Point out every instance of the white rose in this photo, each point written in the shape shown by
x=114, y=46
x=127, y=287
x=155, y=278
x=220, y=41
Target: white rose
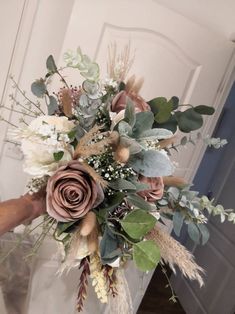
x=43, y=137
x=59, y=124
x=39, y=158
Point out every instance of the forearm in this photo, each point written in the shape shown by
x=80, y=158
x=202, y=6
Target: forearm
x=17, y=211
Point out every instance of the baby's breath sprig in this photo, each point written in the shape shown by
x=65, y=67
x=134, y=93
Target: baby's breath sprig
x=108, y=168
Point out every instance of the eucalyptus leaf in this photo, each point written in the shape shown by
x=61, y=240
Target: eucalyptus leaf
x=50, y=63
x=175, y=102
x=193, y=232
x=38, y=88
x=146, y=255
x=183, y=140
x=139, y=202
x=109, y=246
x=122, y=184
x=151, y=163
x=156, y=103
x=189, y=120
x=156, y=133
x=205, y=110
x=52, y=106
x=137, y=223
x=204, y=233
x=178, y=220
x=171, y=124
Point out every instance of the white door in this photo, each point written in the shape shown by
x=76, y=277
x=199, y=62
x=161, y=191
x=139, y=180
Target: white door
x=176, y=57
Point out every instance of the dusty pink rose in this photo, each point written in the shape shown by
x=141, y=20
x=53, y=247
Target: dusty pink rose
x=155, y=190
x=72, y=192
x=120, y=101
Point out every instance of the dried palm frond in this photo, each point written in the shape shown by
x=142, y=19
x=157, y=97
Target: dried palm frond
x=90, y=145
x=173, y=253
x=134, y=85
x=95, y=175
x=119, y=64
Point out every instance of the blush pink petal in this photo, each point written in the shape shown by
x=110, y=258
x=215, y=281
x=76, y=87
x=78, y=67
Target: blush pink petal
x=71, y=193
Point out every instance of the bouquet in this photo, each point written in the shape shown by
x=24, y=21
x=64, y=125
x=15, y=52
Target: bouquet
x=103, y=155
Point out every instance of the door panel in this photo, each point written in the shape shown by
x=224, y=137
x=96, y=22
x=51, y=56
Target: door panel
x=217, y=257
x=175, y=55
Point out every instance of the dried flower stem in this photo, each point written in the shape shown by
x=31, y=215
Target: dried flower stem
x=47, y=226
x=26, y=232
x=8, y=122
x=17, y=111
x=82, y=292
x=173, y=297
x=24, y=95
x=111, y=280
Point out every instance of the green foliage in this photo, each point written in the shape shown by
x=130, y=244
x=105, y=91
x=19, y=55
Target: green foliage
x=63, y=227
x=38, y=88
x=122, y=184
x=130, y=116
x=188, y=120
x=88, y=69
x=204, y=110
x=156, y=134
x=138, y=223
x=194, y=232
x=52, y=106
x=139, y=202
x=51, y=66
x=110, y=246
x=178, y=220
x=151, y=163
x=112, y=202
x=168, y=116
x=58, y=155
x=146, y=255
x=144, y=121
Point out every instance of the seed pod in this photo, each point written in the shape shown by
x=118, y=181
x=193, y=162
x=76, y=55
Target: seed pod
x=122, y=154
x=167, y=142
x=114, y=138
x=92, y=240
x=88, y=224
x=174, y=181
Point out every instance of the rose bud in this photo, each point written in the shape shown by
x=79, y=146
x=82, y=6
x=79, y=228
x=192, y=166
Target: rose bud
x=155, y=190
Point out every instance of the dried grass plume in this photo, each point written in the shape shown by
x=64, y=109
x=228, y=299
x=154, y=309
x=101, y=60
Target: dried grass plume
x=173, y=253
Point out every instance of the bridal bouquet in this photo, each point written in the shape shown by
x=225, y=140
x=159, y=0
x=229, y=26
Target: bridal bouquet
x=103, y=155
